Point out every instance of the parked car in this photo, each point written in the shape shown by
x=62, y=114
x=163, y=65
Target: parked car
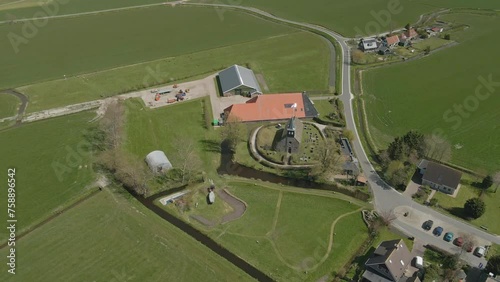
x=428, y=225
x=479, y=252
x=469, y=247
x=448, y=236
x=438, y=231
x=459, y=241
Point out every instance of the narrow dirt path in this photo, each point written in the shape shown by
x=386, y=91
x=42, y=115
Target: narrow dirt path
x=22, y=107
x=276, y=214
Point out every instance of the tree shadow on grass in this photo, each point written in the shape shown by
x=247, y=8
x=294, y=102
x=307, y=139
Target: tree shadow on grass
x=213, y=146
x=457, y=211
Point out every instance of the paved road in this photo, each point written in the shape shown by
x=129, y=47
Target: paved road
x=385, y=198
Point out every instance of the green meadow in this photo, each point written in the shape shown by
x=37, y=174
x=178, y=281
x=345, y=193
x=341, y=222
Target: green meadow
x=8, y=105
x=291, y=62
x=438, y=94
x=52, y=166
x=112, y=237
x=358, y=17
x=84, y=44
x=291, y=234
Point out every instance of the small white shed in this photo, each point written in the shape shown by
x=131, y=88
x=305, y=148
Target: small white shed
x=158, y=162
x=211, y=197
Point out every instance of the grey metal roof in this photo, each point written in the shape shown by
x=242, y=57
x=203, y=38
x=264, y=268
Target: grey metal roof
x=237, y=76
x=442, y=175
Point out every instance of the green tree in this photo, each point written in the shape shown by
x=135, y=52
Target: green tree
x=447, y=36
x=233, y=131
x=493, y=265
x=487, y=182
x=407, y=26
x=427, y=50
x=348, y=134
x=474, y=207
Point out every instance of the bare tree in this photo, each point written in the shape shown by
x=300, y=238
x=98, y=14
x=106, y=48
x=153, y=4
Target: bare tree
x=112, y=124
x=468, y=241
x=188, y=158
x=233, y=131
x=387, y=217
x=327, y=154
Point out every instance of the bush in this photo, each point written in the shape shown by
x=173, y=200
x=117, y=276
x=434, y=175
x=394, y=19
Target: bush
x=474, y=208
x=447, y=36
x=433, y=202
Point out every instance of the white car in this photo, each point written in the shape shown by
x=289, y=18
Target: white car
x=479, y=252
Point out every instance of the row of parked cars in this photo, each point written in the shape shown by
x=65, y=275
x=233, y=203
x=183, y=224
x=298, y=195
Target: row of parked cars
x=448, y=237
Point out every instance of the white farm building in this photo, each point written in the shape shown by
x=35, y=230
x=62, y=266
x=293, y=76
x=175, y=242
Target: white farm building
x=158, y=161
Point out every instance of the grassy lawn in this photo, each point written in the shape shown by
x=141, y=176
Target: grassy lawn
x=351, y=18
x=467, y=191
x=134, y=244
x=286, y=231
x=8, y=105
x=292, y=62
x=52, y=166
x=434, y=42
x=439, y=83
x=65, y=47
x=148, y=130
x=29, y=8
x=266, y=138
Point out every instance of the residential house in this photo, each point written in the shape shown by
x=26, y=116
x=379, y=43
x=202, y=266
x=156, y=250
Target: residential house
x=439, y=177
x=390, y=262
x=368, y=44
x=392, y=41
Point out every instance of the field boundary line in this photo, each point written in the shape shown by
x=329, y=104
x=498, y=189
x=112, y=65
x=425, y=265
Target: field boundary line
x=86, y=13
x=54, y=216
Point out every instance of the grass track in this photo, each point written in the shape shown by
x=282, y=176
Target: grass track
x=8, y=105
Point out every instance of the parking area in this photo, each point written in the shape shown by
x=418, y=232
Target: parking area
x=192, y=89
x=413, y=223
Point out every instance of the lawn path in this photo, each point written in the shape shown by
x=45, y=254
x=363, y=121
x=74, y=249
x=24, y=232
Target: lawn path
x=276, y=214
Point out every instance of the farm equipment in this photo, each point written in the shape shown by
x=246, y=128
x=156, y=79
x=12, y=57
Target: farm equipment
x=157, y=97
x=171, y=101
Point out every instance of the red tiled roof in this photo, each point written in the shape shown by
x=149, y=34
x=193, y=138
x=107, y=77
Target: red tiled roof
x=268, y=107
x=392, y=39
x=411, y=33
x=436, y=29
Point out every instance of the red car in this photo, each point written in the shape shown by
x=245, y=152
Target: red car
x=459, y=241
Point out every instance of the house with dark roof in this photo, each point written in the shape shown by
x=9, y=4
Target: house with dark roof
x=439, y=177
x=389, y=263
x=238, y=80
x=272, y=107
x=291, y=137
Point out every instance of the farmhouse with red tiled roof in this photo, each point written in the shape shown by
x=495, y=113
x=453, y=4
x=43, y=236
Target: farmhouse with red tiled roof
x=272, y=107
x=392, y=41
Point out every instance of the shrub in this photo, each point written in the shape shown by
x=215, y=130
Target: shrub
x=474, y=208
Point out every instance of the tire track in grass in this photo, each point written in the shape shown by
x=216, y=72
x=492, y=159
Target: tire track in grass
x=329, y=248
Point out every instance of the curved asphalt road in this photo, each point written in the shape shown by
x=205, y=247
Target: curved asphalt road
x=385, y=197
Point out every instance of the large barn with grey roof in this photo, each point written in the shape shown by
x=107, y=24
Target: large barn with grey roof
x=238, y=80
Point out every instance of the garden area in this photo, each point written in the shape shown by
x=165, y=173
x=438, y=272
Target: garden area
x=331, y=112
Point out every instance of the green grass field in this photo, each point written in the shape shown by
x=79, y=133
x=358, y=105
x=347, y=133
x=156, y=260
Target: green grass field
x=149, y=130
x=439, y=83
x=111, y=237
x=32, y=8
x=66, y=47
x=50, y=171
x=354, y=17
x=8, y=105
x=292, y=62
x=286, y=232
